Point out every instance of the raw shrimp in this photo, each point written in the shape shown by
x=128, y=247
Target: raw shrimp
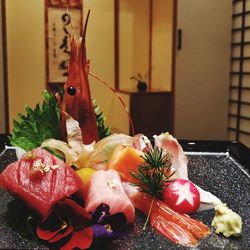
x=77, y=99
x=179, y=228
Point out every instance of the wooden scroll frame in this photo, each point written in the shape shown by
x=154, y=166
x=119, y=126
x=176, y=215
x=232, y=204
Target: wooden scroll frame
x=62, y=17
x=5, y=66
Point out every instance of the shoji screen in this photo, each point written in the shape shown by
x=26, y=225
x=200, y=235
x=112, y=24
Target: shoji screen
x=239, y=102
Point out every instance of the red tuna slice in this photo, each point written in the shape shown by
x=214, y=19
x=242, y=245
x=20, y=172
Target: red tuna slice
x=40, y=189
x=106, y=188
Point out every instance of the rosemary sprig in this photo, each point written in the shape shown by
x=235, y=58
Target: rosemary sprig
x=153, y=174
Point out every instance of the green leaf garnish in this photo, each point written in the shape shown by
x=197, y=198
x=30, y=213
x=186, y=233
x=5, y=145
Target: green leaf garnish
x=38, y=125
x=103, y=131
x=44, y=122
x=155, y=171
x=153, y=174
x=54, y=153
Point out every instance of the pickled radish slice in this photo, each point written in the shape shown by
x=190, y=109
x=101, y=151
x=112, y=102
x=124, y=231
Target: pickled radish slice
x=182, y=196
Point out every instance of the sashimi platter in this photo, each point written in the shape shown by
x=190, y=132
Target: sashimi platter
x=76, y=185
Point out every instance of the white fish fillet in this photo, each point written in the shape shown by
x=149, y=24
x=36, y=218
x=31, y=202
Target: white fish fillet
x=207, y=200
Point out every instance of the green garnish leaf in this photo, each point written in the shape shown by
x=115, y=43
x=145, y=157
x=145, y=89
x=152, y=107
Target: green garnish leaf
x=103, y=131
x=38, y=125
x=154, y=172
x=54, y=153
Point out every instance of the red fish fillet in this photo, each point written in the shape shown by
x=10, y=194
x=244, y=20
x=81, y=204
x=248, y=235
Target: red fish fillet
x=40, y=189
x=106, y=188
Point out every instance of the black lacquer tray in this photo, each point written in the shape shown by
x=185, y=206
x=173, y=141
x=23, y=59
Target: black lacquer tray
x=222, y=168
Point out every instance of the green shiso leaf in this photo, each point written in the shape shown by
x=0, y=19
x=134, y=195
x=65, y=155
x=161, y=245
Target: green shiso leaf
x=38, y=125
x=42, y=123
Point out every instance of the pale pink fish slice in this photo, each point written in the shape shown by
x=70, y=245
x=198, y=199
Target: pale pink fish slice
x=106, y=188
x=168, y=143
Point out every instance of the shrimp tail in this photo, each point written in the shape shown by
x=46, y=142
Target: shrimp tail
x=179, y=228
x=172, y=231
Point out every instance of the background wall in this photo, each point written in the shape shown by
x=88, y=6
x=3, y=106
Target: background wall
x=134, y=43
x=100, y=50
x=202, y=69
x=162, y=42
x=201, y=80
x=26, y=56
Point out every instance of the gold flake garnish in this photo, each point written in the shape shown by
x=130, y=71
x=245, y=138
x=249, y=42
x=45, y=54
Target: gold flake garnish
x=39, y=166
x=29, y=156
x=46, y=168
x=53, y=167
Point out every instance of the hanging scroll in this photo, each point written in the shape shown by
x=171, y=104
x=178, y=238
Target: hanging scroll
x=63, y=17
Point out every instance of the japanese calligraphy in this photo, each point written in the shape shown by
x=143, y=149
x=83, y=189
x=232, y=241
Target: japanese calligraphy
x=64, y=46
x=60, y=26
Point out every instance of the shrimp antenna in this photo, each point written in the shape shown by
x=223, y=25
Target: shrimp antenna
x=119, y=98
x=85, y=27
x=71, y=25
x=83, y=52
